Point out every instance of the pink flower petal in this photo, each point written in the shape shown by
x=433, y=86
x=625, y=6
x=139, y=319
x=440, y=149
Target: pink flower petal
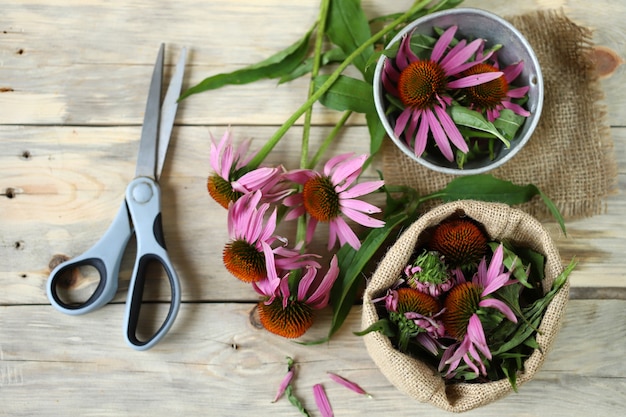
x=476, y=334
x=513, y=71
x=421, y=138
x=336, y=161
x=401, y=121
x=440, y=136
x=321, y=296
x=359, y=205
x=362, y=219
x=453, y=64
x=305, y=282
x=283, y=384
x=499, y=305
x=322, y=401
x=476, y=79
x=348, y=171
x=361, y=189
x=348, y=384
x=310, y=229
x=453, y=52
x=518, y=92
x=442, y=43
x=340, y=228
x=451, y=130
x=516, y=108
x=300, y=176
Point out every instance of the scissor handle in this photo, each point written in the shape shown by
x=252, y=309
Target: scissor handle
x=105, y=257
x=144, y=204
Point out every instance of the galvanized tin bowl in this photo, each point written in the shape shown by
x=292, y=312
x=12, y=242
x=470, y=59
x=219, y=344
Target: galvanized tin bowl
x=473, y=23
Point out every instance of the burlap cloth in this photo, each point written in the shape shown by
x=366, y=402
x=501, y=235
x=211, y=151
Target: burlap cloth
x=570, y=155
x=416, y=378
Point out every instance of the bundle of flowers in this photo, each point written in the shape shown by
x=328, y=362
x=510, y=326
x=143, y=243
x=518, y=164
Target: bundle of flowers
x=290, y=279
x=444, y=90
x=464, y=306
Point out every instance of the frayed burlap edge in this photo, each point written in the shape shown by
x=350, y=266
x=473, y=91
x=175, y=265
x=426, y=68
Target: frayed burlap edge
x=570, y=156
x=421, y=381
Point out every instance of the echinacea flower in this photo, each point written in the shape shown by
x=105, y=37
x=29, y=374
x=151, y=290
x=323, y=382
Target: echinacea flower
x=415, y=313
x=461, y=318
x=326, y=196
x=231, y=178
x=429, y=274
x=493, y=96
x=249, y=255
x=460, y=240
x=424, y=87
x=291, y=315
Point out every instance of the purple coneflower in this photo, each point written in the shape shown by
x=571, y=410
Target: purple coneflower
x=249, y=255
x=461, y=320
x=424, y=86
x=232, y=179
x=494, y=96
x=326, y=196
x=291, y=315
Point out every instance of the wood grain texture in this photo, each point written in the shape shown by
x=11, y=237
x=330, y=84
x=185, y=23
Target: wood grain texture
x=73, y=82
x=214, y=362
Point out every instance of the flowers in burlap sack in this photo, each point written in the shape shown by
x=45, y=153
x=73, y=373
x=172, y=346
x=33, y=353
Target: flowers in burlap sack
x=464, y=293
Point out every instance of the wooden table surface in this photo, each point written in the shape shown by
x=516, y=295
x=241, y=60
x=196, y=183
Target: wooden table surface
x=73, y=83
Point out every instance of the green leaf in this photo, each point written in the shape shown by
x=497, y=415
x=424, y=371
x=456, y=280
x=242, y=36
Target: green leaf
x=348, y=28
x=295, y=401
x=385, y=326
x=347, y=93
x=486, y=187
x=473, y=119
x=331, y=56
x=277, y=65
x=556, y=213
x=509, y=123
x=351, y=264
x=377, y=132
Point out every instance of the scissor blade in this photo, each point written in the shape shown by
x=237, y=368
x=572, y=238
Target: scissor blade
x=168, y=111
x=146, y=160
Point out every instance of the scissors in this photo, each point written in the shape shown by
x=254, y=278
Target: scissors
x=140, y=213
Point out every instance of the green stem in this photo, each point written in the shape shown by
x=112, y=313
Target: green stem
x=329, y=139
x=269, y=145
x=306, y=131
x=319, y=41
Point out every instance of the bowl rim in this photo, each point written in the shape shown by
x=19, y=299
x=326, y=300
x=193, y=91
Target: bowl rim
x=534, y=120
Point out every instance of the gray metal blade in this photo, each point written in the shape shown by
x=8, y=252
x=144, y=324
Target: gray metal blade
x=168, y=111
x=146, y=160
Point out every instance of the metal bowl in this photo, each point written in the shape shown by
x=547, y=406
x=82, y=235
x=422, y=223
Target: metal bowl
x=475, y=23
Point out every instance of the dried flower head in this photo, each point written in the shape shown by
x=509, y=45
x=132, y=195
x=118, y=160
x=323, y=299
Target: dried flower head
x=412, y=300
x=291, y=315
x=429, y=273
x=460, y=240
x=290, y=321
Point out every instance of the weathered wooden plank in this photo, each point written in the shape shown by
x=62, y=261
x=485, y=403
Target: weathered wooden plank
x=68, y=187
x=99, y=75
x=214, y=362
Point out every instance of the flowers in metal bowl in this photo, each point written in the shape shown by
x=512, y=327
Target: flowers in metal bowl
x=452, y=95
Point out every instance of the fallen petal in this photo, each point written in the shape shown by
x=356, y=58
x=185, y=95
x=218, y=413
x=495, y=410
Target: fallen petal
x=348, y=384
x=322, y=401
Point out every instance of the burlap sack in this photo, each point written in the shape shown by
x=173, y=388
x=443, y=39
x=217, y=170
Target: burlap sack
x=420, y=380
x=570, y=155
